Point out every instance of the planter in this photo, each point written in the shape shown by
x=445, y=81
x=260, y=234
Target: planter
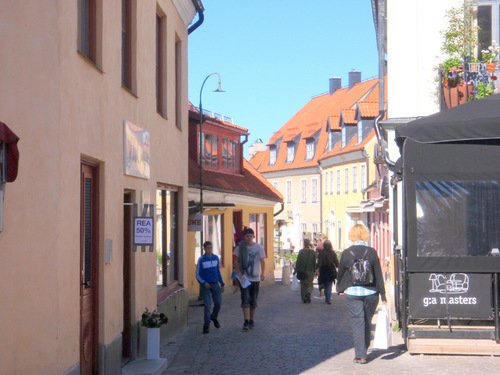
x=153, y=343
x=490, y=67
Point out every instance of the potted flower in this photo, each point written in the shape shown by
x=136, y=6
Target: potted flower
x=153, y=320
x=452, y=71
x=489, y=55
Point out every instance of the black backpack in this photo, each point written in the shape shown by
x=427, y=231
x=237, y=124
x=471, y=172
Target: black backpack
x=361, y=270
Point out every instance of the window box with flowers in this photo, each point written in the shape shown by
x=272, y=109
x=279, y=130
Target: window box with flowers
x=153, y=320
x=489, y=55
x=452, y=72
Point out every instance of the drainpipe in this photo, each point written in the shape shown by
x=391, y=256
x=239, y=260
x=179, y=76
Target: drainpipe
x=199, y=9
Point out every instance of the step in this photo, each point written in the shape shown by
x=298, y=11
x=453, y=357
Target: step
x=145, y=367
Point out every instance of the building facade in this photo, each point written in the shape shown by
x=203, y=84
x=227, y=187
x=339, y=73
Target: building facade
x=96, y=91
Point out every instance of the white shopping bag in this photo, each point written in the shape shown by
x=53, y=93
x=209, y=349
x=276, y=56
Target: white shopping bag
x=295, y=284
x=383, y=335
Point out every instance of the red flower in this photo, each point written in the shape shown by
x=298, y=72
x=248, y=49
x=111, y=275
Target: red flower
x=494, y=78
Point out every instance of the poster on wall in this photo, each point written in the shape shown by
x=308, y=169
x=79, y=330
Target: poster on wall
x=458, y=295
x=136, y=151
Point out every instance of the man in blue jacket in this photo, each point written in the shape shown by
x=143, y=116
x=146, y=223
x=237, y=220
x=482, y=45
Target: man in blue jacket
x=209, y=276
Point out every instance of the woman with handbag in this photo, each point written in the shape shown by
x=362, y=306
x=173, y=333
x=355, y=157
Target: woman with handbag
x=327, y=268
x=361, y=298
x=306, y=269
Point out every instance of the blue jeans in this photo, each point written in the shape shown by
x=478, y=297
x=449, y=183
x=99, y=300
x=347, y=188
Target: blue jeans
x=328, y=291
x=215, y=294
x=361, y=310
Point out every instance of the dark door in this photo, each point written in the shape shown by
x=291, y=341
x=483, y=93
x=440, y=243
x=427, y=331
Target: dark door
x=127, y=276
x=88, y=269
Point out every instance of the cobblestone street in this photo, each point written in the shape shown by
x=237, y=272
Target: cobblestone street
x=295, y=338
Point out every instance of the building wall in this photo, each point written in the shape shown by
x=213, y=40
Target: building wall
x=227, y=256
x=414, y=52
x=65, y=109
x=297, y=212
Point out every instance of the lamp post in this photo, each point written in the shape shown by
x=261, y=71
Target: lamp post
x=202, y=149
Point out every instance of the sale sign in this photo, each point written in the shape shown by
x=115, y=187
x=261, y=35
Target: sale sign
x=143, y=231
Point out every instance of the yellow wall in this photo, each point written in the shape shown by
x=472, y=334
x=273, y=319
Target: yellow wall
x=227, y=260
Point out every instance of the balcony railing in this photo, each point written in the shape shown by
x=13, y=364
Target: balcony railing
x=473, y=82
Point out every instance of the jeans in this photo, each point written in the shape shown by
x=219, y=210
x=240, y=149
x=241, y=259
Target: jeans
x=361, y=310
x=249, y=295
x=215, y=294
x=328, y=291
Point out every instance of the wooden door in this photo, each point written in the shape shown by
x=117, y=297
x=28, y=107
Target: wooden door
x=88, y=270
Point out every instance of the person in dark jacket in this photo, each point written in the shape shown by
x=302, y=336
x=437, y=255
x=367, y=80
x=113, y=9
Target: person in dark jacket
x=327, y=268
x=209, y=276
x=306, y=266
x=361, y=301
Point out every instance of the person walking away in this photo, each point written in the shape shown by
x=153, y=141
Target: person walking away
x=361, y=300
x=319, y=249
x=327, y=268
x=212, y=285
x=249, y=264
x=306, y=268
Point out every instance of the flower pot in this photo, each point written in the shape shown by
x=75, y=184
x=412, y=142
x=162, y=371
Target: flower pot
x=490, y=67
x=153, y=343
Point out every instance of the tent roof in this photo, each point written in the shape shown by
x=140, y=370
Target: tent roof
x=476, y=120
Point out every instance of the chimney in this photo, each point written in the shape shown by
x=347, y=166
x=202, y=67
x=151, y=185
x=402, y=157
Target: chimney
x=335, y=84
x=354, y=77
x=256, y=147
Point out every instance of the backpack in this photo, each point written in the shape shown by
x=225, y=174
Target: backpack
x=361, y=270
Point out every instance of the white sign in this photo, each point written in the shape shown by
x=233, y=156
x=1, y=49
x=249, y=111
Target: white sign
x=195, y=223
x=143, y=231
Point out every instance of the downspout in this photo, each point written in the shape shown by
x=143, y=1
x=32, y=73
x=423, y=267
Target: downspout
x=281, y=209
x=320, y=170
x=199, y=9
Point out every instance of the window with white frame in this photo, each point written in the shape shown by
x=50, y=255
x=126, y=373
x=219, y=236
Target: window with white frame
x=346, y=180
x=330, y=141
x=304, y=227
x=344, y=136
x=354, y=178
x=314, y=190
x=276, y=185
x=488, y=19
x=272, y=155
x=331, y=182
x=290, y=152
x=288, y=191
x=363, y=176
x=339, y=233
x=326, y=182
x=315, y=227
x=338, y=181
x=310, y=148
x=303, y=190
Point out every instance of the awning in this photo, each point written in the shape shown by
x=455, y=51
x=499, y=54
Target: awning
x=9, y=154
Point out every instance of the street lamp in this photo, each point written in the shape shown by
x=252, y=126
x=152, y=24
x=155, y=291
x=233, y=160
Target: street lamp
x=201, y=149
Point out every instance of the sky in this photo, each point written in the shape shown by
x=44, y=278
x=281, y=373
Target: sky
x=273, y=56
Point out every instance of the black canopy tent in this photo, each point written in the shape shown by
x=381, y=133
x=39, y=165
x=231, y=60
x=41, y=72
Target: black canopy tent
x=451, y=173
x=450, y=261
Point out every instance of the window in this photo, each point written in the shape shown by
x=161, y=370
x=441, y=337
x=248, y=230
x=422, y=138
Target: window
x=330, y=141
x=258, y=224
x=167, y=236
x=314, y=190
x=272, y=155
x=276, y=185
x=161, y=105
x=212, y=231
x=344, y=136
x=290, y=152
x=127, y=44
x=230, y=155
x=304, y=227
x=288, y=191
x=363, y=176
x=339, y=234
x=338, y=181
x=331, y=182
x=209, y=150
x=178, y=83
x=87, y=29
x=354, y=178
x=303, y=190
x=346, y=180
x=326, y=182
x=488, y=19
x=310, y=149
x=315, y=228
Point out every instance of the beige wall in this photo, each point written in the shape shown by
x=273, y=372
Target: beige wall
x=65, y=109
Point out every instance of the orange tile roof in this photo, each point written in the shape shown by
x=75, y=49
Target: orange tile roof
x=322, y=109
x=349, y=116
x=368, y=108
